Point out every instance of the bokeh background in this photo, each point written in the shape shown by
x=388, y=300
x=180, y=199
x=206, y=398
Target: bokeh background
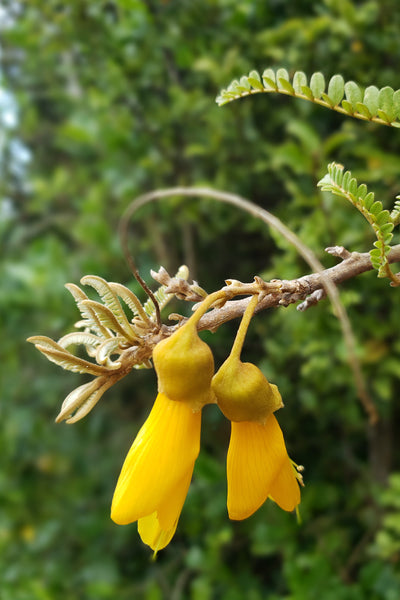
x=102, y=101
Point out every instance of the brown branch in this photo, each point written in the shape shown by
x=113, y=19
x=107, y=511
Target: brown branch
x=296, y=289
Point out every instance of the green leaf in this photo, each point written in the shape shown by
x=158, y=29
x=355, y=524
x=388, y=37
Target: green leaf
x=384, y=116
x=385, y=102
x=299, y=81
x=282, y=74
x=286, y=85
x=362, y=191
x=363, y=110
x=306, y=91
x=396, y=104
x=353, y=93
x=348, y=107
x=352, y=188
x=328, y=100
x=383, y=218
x=371, y=99
x=317, y=84
x=369, y=200
x=255, y=80
x=269, y=79
x=244, y=83
x=336, y=89
x=376, y=208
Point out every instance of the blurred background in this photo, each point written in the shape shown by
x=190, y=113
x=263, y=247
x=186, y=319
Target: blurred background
x=100, y=102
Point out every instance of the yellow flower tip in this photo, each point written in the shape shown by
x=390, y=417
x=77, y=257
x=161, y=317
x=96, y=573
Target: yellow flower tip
x=257, y=467
x=153, y=535
x=184, y=365
x=156, y=474
x=285, y=490
x=243, y=392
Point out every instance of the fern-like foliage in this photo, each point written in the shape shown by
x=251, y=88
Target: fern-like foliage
x=341, y=183
x=395, y=214
x=372, y=104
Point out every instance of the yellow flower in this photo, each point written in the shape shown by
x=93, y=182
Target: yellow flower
x=157, y=471
x=156, y=474
x=258, y=465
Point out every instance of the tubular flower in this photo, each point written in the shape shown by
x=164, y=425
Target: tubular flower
x=258, y=465
x=156, y=474
x=157, y=471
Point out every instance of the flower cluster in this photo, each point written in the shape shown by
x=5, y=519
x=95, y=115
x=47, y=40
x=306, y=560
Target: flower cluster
x=157, y=471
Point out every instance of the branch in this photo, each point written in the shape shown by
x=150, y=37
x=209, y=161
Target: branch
x=297, y=289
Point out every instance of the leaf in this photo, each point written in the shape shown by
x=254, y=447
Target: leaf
x=68, y=361
x=307, y=92
x=362, y=191
x=336, y=89
x=363, y=110
x=86, y=312
x=299, y=81
x=130, y=299
x=282, y=74
x=90, y=402
x=380, y=220
x=353, y=93
x=106, y=349
x=108, y=319
x=269, y=79
x=371, y=99
x=376, y=208
x=111, y=301
x=348, y=107
x=396, y=104
x=286, y=85
x=255, y=80
x=317, y=84
x=244, y=83
x=369, y=200
x=385, y=102
x=79, y=337
x=381, y=106
x=76, y=398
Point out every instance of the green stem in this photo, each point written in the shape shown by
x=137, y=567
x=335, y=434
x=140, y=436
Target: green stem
x=243, y=327
x=205, y=305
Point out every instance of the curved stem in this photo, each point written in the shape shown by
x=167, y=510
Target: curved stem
x=123, y=236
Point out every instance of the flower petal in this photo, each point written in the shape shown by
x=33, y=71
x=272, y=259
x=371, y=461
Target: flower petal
x=151, y=533
x=256, y=455
x=160, y=458
x=285, y=490
x=156, y=530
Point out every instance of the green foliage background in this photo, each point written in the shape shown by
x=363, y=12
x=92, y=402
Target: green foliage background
x=117, y=98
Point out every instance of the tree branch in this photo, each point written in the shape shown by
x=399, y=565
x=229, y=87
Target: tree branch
x=296, y=289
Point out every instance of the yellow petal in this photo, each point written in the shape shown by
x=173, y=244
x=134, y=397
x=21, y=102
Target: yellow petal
x=153, y=529
x=160, y=458
x=285, y=490
x=151, y=533
x=256, y=455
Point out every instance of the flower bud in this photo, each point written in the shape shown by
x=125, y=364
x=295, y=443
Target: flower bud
x=184, y=365
x=243, y=392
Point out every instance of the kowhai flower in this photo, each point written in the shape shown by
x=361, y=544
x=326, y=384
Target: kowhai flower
x=157, y=471
x=156, y=474
x=258, y=465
